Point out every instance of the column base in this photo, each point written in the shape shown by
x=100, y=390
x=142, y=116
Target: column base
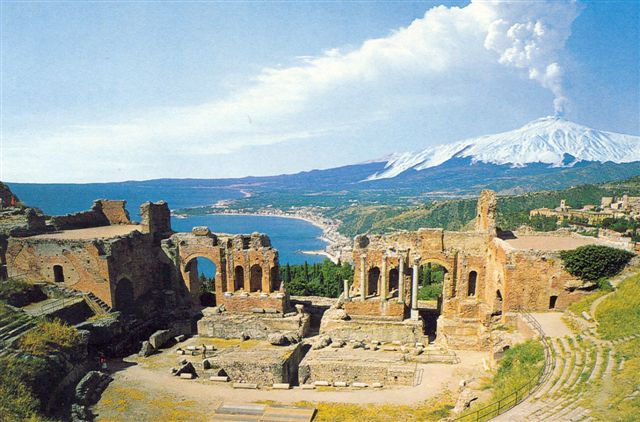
x=415, y=315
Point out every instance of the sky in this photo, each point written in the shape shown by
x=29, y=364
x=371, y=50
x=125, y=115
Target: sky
x=132, y=90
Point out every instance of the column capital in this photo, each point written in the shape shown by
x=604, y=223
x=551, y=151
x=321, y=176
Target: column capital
x=416, y=260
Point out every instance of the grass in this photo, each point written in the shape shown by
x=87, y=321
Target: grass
x=48, y=337
x=619, y=314
x=584, y=304
x=520, y=365
x=430, y=410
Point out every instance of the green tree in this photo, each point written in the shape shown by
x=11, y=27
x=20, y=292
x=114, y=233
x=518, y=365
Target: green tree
x=593, y=262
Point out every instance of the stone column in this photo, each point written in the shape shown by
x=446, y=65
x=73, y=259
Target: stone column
x=414, y=289
x=345, y=286
x=383, y=280
x=363, y=276
x=401, y=278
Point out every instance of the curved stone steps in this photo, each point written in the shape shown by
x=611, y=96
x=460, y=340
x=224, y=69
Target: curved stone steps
x=556, y=349
x=569, y=362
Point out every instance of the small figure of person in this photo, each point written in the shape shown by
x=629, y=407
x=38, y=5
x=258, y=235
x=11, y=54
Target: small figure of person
x=204, y=351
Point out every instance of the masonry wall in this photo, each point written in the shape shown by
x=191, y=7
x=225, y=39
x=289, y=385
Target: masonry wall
x=102, y=213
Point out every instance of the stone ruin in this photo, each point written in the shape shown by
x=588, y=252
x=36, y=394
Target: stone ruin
x=138, y=268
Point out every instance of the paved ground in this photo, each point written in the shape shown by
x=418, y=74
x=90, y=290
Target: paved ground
x=552, y=324
x=552, y=243
x=151, y=380
x=92, y=233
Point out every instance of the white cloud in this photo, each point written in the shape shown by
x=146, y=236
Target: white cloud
x=436, y=60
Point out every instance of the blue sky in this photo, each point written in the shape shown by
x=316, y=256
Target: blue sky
x=108, y=91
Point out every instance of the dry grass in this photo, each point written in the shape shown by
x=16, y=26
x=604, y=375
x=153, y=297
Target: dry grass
x=48, y=337
x=431, y=410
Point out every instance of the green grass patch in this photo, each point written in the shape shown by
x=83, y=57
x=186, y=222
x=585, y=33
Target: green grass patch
x=619, y=314
x=584, y=304
x=12, y=287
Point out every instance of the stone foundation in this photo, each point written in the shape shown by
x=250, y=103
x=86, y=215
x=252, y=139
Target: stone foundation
x=357, y=365
x=363, y=328
x=254, y=302
x=229, y=325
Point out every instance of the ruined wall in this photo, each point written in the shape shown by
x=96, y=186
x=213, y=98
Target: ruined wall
x=156, y=219
x=244, y=263
x=103, y=212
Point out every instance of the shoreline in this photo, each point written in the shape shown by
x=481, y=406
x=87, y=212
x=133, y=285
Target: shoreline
x=334, y=240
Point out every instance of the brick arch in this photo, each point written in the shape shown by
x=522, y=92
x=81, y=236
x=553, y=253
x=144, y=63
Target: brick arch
x=192, y=282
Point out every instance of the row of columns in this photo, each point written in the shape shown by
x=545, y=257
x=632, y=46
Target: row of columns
x=383, y=281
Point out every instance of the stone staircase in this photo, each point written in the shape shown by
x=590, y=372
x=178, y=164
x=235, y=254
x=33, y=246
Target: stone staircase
x=13, y=324
x=96, y=304
x=581, y=361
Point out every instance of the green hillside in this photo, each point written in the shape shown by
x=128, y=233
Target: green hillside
x=513, y=211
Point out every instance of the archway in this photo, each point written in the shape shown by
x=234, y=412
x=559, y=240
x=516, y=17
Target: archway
x=124, y=299
x=373, y=281
x=58, y=274
x=255, y=278
x=394, y=279
x=238, y=278
x=431, y=280
x=552, y=302
x=202, y=271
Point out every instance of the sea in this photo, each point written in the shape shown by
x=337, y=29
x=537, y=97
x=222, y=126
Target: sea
x=290, y=236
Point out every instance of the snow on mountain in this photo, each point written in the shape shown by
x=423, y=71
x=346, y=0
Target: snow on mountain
x=545, y=140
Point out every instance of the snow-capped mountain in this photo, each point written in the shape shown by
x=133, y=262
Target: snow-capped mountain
x=553, y=141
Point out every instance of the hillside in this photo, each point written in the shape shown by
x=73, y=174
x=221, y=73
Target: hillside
x=456, y=214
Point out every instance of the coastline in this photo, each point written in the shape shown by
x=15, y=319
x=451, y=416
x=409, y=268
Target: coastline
x=335, y=241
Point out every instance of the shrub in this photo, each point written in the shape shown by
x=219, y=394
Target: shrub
x=593, y=262
x=50, y=336
x=17, y=399
x=12, y=287
x=520, y=364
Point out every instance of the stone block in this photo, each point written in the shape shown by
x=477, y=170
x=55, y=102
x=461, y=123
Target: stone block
x=180, y=338
x=389, y=348
x=360, y=385
x=186, y=375
x=201, y=231
x=376, y=385
x=257, y=310
x=160, y=338
x=340, y=384
x=308, y=386
x=281, y=386
x=322, y=384
x=223, y=378
x=245, y=386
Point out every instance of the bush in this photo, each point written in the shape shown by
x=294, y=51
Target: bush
x=17, y=399
x=50, y=336
x=593, y=262
x=12, y=287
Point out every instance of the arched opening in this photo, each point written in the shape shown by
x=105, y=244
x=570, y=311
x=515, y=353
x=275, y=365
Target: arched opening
x=275, y=279
x=373, y=281
x=430, y=281
x=255, y=279
x=58, y=274
x=473, y=278
x=124, y=299
x=394, y=279
x=238, y=278
x=202, y=271
x=552, y=302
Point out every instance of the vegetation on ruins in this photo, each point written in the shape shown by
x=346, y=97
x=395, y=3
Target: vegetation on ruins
x=594, y=262
x=519, y=365
x=12, y=287
x=18, y=399
x=430, y=281
x=324, y=279
x=49, y=337
x=618, y=316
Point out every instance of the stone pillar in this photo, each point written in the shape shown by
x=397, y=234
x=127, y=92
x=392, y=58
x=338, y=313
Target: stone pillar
x=363, y=277
x=414, y=289
x=345, y=287
x=401, y=279
x=383, y=280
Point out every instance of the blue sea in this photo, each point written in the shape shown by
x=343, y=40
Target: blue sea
x=289, y=236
